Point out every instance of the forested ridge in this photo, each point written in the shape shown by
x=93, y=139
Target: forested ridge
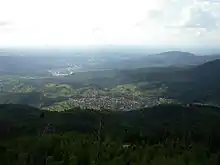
x=165, y=134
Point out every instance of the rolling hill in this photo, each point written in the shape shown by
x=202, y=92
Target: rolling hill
x=201, y=84
x=208, y=70
x=40, y=64
x=175, y=58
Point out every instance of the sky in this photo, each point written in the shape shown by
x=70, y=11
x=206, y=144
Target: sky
x=109, y=22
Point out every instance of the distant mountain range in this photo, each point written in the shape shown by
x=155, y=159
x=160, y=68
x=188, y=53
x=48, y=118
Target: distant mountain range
x=177, y=58
x=171, y=58
x=28, y=63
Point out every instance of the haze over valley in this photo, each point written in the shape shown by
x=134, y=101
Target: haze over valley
x=110, y=80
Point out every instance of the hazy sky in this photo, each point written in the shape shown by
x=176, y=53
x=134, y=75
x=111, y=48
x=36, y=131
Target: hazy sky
x=103, y=22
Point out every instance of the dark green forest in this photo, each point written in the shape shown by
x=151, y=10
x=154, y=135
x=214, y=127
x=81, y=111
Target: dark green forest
x=165, y=134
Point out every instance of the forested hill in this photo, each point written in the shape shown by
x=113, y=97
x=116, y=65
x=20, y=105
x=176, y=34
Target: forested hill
x=166, y=134
x=202, y=84
x=191, y=84
x=208, y=70
x=149, y=121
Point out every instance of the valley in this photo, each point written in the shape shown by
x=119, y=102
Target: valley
x=122, y=111
x=112, y=89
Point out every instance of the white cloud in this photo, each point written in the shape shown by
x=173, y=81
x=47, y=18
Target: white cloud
x=202, y=14
x=198, y=22
x=100, y=22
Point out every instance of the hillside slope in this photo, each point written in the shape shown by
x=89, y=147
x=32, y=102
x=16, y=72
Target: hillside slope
x=173, y=134
x=202, y=84
x=150, y=121
x=208, y=70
